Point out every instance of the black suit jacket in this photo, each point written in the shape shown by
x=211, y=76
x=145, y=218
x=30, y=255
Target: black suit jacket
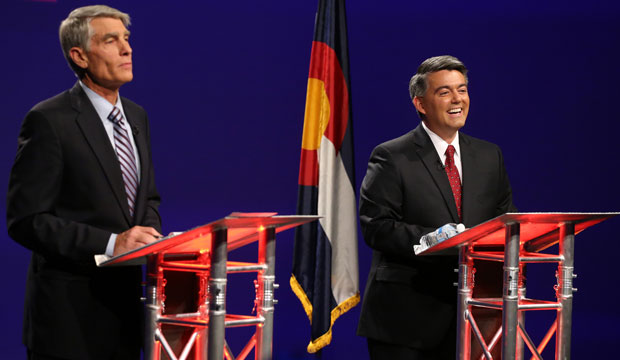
x=411, y=300
x=66, y=197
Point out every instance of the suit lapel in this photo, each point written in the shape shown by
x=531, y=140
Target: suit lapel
x=139, y=134
x=469, y=164
x=427, y=153
x=89, y=122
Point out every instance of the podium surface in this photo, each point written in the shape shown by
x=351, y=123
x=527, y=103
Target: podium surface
x=243, y=229
x=538, y=231
x=204, y=251
x=522, y=236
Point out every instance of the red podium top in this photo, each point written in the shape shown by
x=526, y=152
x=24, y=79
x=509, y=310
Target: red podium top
x=243, y=229
x=538, y=231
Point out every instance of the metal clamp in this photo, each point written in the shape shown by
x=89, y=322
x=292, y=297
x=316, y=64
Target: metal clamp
x=511, y=282
x=217, y=296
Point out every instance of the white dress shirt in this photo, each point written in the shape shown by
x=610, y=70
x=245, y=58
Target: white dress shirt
x=441, y=145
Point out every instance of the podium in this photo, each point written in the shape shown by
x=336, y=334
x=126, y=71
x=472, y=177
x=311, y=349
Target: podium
x=523, y=236
x=204, y=251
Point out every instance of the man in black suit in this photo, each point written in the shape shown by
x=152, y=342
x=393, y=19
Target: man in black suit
x=409, y=305
x=83, y=184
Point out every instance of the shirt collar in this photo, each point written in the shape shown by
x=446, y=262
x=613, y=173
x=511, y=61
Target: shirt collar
x=101, y=105
x=440, y=144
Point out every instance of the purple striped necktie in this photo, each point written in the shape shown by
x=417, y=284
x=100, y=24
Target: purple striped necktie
x=126, y=158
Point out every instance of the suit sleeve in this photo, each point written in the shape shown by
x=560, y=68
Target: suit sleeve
x=34, y=188
x=381, y=201
x=504, y=203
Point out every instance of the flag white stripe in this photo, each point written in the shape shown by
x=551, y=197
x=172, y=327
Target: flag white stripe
x=337, y=206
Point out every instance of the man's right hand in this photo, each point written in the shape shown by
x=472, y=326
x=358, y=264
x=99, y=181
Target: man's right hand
x=134, y=238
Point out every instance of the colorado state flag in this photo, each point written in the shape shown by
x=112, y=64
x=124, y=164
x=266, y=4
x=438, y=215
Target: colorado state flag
x=325, y=269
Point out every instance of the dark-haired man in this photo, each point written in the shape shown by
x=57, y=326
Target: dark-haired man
x=83, y=184
x=431, y=176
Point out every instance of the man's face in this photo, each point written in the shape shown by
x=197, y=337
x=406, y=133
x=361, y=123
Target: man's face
x=445, y=104
x=109, y=58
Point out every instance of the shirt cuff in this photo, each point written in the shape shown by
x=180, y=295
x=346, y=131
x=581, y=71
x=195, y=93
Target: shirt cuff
x=109, y=250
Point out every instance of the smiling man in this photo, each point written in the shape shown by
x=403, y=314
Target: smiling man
x=83, y=184
x=431, y=176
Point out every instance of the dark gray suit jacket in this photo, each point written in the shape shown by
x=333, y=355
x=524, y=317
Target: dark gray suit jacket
x=411, y=300
x=66, y=196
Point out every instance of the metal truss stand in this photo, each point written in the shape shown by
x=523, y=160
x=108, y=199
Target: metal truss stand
x=523, y=236
x=204, y=251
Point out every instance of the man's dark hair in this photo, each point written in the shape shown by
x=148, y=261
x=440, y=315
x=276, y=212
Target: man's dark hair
x=419, y=84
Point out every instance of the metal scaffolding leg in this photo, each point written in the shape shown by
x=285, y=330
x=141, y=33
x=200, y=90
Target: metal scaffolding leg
x=153, y=307
x=529, y=342
x=202, y=341
x=564, y=290
x=265, y=295
x=548, y=335
x=217, y=295
x=521, y=315
x=465, y=289
x=510, y=291
x=479, y=337
x=493, y=341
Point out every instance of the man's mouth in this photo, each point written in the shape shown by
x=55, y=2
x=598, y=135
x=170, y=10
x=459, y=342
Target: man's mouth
x=455, y=111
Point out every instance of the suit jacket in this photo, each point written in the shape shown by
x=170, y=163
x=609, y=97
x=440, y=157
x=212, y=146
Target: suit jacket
x=411, y=300
x=66, y=197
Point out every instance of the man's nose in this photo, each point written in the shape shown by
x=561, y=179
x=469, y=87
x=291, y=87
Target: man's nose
x=125, y=48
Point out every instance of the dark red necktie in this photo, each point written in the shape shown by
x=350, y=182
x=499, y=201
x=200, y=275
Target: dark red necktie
x=453, y=176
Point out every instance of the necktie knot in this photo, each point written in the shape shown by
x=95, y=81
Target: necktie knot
x=116, y=116
x=450, y=153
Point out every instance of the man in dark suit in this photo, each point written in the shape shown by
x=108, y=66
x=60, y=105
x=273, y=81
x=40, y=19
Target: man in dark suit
x=409, y=305
x=83, y=184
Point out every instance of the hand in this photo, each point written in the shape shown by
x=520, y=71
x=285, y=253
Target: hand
x=134, y=238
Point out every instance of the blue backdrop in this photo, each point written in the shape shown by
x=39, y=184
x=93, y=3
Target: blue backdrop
x=224, y=83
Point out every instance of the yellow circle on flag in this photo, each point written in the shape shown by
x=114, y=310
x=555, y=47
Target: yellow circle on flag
x=317, y=114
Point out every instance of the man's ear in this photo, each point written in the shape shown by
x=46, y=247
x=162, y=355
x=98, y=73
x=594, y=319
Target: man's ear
x=417, y=102
x=79, y=57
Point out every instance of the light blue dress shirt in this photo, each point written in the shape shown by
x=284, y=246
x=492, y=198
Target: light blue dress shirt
x=104, y=108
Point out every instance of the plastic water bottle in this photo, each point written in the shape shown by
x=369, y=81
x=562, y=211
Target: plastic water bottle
x=443, y=233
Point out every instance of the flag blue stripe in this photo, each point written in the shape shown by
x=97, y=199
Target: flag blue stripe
x=323, y=300
x=304, y=255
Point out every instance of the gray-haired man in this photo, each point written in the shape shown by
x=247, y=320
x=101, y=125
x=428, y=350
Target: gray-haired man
x=83, y=184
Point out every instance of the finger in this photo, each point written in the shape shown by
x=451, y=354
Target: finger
x=151, y=231
x=146, y=239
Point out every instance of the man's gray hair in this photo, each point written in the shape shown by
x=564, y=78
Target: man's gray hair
x=419, y=84
x=75, y=30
